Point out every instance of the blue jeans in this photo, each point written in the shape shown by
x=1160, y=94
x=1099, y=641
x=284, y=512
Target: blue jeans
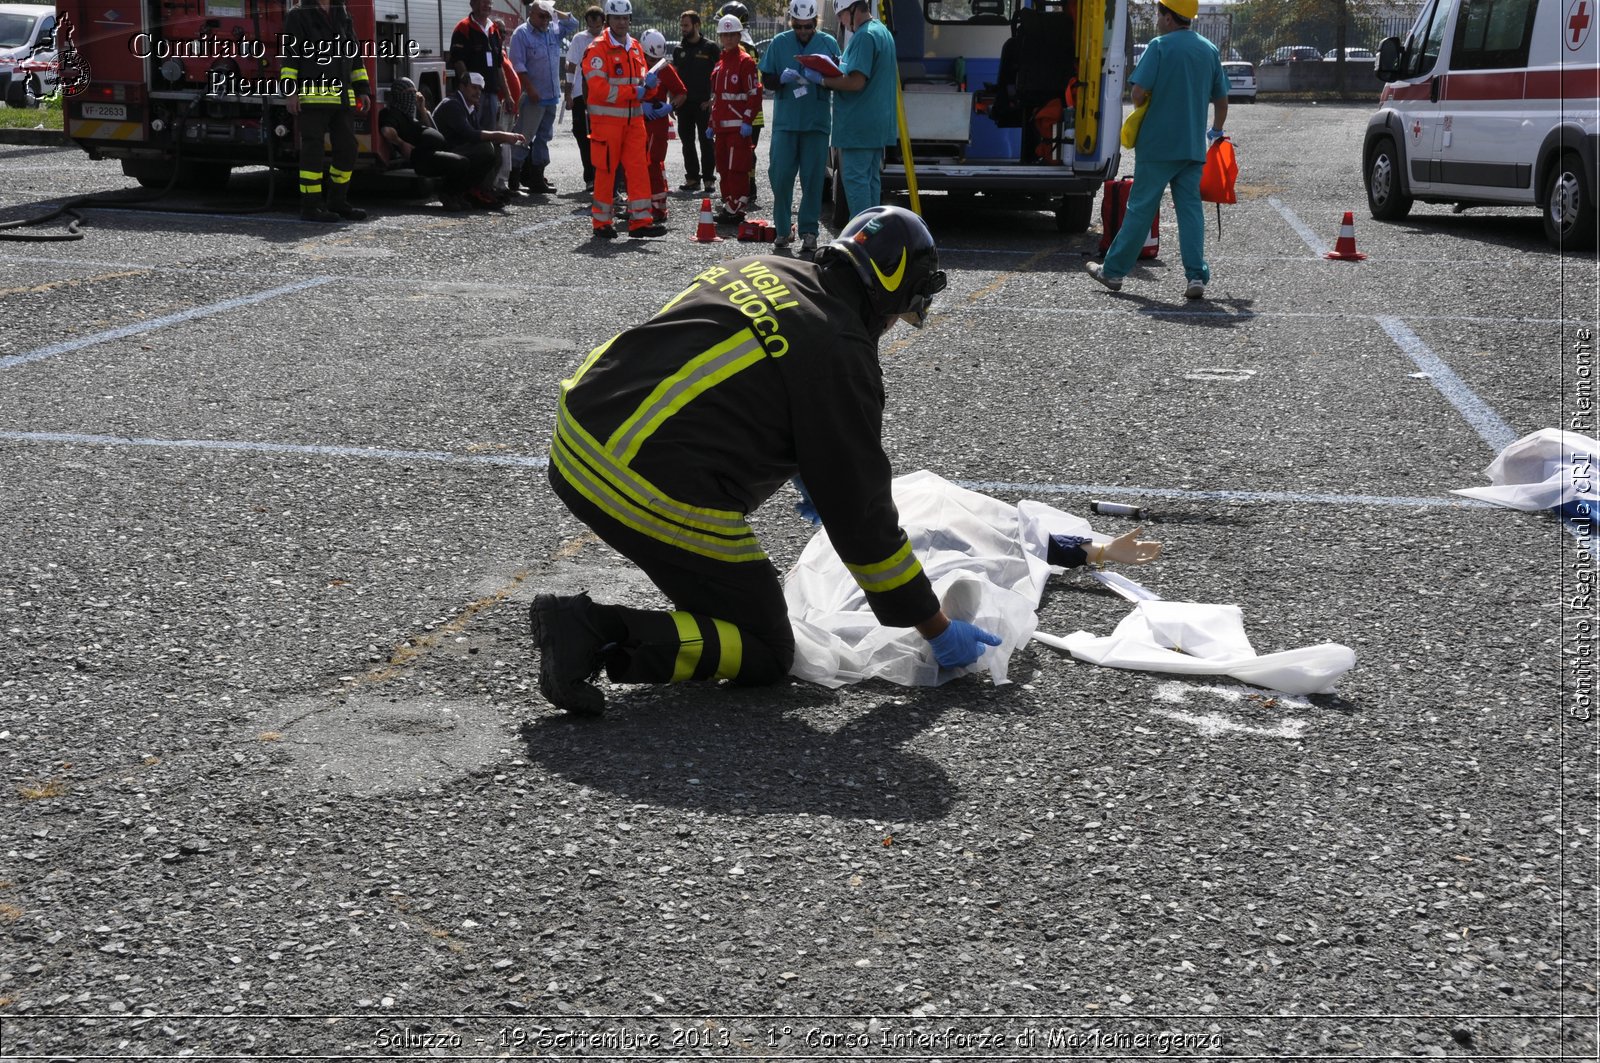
x=861, y=170
x=806, y=154
x=1150, y=179
x=537, y=122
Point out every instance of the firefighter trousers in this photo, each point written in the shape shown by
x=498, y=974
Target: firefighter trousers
x=619, y=143
x=730, y=622
x=330, y=120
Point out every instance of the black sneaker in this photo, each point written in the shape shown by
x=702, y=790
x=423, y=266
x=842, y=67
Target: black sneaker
x=606, y=233
x=691, y=185
x=648, y=231
x=570, y=653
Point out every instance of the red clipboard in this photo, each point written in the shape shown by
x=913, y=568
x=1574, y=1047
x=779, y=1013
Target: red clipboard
x=821, y=64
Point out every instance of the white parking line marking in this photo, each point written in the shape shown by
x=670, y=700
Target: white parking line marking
x=160, y=322
x=312, y=450
x=528, y=461
x=1312, y=240
x=1483, y=419
x=1212, y=724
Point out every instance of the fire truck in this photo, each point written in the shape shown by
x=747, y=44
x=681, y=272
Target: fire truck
x=185, y=89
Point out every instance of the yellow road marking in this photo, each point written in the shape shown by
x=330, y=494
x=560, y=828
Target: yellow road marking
x=72, y=282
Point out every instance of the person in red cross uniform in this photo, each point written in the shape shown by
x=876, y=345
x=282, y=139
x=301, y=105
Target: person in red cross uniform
x=615, y=81
x=735, y=101
x=659, y=104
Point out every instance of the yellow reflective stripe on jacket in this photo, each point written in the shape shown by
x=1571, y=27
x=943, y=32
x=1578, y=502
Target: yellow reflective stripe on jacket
x=620, y=508
x=900, y=568
x=731, y=657
x=636, y=489
x=291, y=73
x=594, y=356
x=704, y=371
x=690, y=646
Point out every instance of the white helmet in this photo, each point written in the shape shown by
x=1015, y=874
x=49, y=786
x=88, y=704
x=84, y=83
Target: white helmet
x=730, y=24
x=619, y=7
x=803, y=10
x=654, y=44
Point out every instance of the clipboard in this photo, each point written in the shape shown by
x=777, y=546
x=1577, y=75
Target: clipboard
x=821, y=64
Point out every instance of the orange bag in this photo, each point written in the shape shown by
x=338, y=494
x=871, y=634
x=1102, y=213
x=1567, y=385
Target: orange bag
x=1216, y=180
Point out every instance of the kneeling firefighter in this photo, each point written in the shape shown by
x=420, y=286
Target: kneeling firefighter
x=671, y=433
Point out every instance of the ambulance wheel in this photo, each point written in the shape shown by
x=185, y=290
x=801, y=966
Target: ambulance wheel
x=1569, y=207
x=1074, y=214
x=1386, y=195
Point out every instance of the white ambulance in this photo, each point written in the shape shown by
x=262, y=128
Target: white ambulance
x=1491, y=102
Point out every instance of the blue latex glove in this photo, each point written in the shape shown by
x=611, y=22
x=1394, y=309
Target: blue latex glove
x=1214, y=135
x=711, y=134
x=960, y=644
x=745, y=129
x=551, y=102
x=805, y=507
x=789, y=76
x=813, y=76
x=650, y=79
x=652, y=111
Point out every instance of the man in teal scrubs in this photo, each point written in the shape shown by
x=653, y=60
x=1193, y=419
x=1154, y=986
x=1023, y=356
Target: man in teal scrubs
x=800, y=123
x=864, y=104
x=1179, y=72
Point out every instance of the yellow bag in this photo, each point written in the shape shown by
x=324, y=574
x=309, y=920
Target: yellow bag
x=1131, y=124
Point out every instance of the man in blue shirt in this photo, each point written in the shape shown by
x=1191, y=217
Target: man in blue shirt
x=536, y=54
x=1179, y=72
x=800, y=123
x=863, y=105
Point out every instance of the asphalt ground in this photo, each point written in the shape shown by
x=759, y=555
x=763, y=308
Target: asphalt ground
x=278, y=780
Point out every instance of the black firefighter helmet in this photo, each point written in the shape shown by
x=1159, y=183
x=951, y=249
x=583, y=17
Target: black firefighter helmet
x=893, y=252
x=733, y=7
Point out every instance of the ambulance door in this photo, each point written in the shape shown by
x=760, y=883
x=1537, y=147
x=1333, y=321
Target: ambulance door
x=1414, y=94
x=1487, y=135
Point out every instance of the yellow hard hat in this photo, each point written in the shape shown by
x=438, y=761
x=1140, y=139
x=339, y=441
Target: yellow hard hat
x=1183, y=8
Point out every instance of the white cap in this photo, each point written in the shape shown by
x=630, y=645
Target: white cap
x=476, y=79
x=730, y=24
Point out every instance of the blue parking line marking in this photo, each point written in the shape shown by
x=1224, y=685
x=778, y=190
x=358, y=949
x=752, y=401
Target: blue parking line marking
x=1479, y=414
x=160, y=322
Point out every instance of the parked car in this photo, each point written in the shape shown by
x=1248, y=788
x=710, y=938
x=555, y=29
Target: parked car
x=26, y=31
x=1241, y=81
x=1292, y=53
x=1352, y=55
x=33, y=80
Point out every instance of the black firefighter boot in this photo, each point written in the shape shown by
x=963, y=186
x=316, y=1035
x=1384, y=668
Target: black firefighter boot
x=339, y=203
x=311, y=208
x=541, y=183
x=571, y=652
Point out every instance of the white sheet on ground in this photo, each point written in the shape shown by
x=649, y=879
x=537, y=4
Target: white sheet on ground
x=1542, y=470
x=986, y=559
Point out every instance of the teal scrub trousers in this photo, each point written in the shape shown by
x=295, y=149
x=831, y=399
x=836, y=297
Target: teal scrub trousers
x=804, y=153
x=1150, y=178
x=861, y=170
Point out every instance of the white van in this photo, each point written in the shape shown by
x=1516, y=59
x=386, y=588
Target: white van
x=1491, y=102
x=26, y=32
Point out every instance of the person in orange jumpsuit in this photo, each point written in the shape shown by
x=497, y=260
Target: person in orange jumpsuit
x=659, y=105
x=615, y=81
x=735, y=101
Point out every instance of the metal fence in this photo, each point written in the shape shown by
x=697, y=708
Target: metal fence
x=1232, y=34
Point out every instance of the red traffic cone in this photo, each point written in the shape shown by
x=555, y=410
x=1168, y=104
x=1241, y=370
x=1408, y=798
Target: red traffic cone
x=1345, y=249
x=706, y=231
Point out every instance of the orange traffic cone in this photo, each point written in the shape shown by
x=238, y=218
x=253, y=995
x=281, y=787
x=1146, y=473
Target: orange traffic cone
x=706, y=232
x=1345, y=249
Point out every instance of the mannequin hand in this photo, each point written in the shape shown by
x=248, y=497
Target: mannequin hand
x=1129, y=549
x=789, y=76
x=960, y=644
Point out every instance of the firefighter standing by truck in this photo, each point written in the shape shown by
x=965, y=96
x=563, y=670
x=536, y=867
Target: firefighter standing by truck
x=672, y=432
x=324, y=74
x=615, y=80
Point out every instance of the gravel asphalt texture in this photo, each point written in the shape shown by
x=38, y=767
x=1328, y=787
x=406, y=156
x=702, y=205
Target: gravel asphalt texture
x=278, y=781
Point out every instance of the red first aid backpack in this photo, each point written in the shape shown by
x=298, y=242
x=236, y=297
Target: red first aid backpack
x=1113, y=205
